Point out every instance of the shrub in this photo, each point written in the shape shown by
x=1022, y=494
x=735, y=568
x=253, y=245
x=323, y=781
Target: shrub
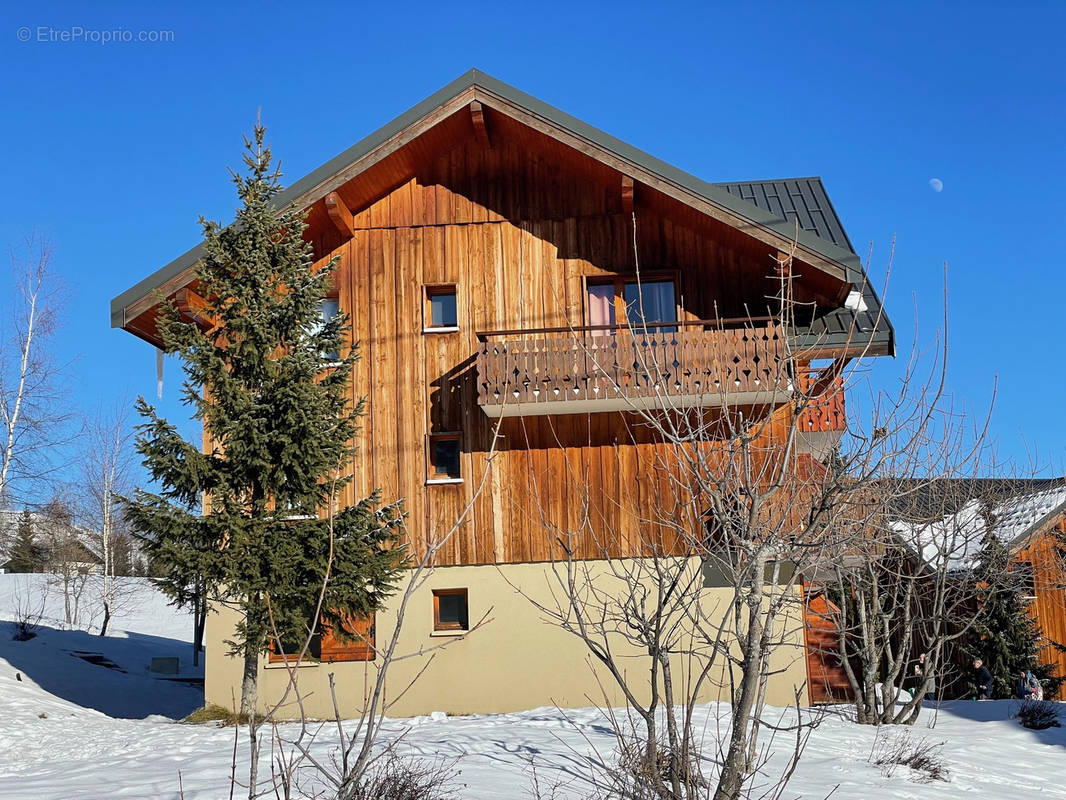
x=923, y=757
x=640, y=776
x=1038, y=715
x=406, y=779
x=215, y=713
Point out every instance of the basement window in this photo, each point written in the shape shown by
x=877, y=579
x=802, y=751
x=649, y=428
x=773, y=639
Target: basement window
x=443, y=457
x=441, y=309
x=450, y=611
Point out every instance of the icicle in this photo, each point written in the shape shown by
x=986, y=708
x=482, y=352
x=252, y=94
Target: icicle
x=159, y=372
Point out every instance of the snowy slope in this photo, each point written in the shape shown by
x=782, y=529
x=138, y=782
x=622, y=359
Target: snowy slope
x=53, y=748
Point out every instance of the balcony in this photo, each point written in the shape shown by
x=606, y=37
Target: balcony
x=821, y=425
x=725, y=363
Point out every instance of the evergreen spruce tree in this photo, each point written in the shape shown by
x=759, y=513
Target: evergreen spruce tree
x=1005, y=637
x=279, y=421
x=25, y=556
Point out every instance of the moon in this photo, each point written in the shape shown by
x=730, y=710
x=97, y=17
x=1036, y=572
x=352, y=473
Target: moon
x=936, y=184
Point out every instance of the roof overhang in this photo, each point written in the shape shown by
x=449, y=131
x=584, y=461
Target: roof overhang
x=836, y=262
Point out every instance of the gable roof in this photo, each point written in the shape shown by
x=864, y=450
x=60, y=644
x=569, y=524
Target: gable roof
x=949, y=517
x=820, y=246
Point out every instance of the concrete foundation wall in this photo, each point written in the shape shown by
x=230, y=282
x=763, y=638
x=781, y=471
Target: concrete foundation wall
x=516, y=660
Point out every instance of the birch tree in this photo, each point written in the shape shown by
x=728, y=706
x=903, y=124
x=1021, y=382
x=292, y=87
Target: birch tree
x=31, y=421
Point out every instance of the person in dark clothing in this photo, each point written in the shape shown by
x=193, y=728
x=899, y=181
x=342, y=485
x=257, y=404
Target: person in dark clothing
x=982, y=678
x=1028, y=686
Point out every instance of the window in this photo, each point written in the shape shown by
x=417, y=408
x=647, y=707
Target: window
x=442, y=309
x=450, y=610
x=635, y=302
x=444, y=466
x=328, y=308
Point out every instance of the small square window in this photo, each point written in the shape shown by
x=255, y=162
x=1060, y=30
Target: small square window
x=442, y=310
x=444, y=457
x=450, y=610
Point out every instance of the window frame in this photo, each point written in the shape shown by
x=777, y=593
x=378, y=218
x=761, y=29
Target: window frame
x=619, y=282
x=431, y=290
x=432, y=477
x=332, y=297
x=451, y=627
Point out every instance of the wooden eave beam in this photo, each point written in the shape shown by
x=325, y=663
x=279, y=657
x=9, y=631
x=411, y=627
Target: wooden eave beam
x=627, y=196
x=340, y=215
x=481, y=128
x=193, y=308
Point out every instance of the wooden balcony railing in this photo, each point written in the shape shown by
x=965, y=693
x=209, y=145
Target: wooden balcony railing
x=608, y=368
x=827, y=413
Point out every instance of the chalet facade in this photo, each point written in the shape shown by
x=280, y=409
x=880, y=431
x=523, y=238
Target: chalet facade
x=480, y=235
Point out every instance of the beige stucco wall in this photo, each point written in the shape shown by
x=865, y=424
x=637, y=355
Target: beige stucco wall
x=516, y=660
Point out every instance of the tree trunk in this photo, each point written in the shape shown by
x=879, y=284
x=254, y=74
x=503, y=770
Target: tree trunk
x=249, y=701
x=735, y=765
x=107, y=619
x=198, y=625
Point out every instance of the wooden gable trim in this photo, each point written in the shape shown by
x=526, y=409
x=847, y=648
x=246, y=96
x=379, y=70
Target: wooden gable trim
x=481, y=128
x=340, y=215
x=1045, y=526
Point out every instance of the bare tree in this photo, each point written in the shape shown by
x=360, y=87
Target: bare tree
x=912, y=590
x=699, y=590
x=360, y=763
x=31, y=422
x=70, y=561
x=106, y=467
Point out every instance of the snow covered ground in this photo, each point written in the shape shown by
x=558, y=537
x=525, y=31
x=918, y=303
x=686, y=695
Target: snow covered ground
x=61, y=736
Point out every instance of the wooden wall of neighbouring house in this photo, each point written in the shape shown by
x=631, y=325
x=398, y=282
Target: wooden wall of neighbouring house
x=1049, y=580
x=516, y=232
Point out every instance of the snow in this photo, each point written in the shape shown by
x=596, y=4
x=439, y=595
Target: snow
x=958, y=537
x=57, y=743
x=854, y=301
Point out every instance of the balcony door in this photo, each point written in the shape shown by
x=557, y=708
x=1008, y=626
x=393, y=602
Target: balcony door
x=634, y=303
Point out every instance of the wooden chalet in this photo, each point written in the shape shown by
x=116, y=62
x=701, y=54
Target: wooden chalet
x=489, y=247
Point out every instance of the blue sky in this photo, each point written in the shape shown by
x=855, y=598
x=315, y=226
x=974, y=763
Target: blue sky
x=113, y=150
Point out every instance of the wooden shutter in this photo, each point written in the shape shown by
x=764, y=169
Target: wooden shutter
x=359, y=646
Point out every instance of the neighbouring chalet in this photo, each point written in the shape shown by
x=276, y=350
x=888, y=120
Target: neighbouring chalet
x=1026, y=515
x=479, y=234
x=58, y=544
x=1029, y=517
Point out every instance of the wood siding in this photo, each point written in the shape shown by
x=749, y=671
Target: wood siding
x=517, y=232
x=1049, y=606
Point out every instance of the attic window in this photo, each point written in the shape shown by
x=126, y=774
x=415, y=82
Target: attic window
x=328, y=308
x=441, y=309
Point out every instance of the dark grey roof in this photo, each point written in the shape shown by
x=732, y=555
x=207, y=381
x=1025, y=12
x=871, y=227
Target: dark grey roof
x=765, y=216
x=805, y=202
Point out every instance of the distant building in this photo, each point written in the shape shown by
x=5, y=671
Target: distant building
x=60, y=545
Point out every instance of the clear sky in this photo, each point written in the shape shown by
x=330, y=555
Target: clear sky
x=112, y=150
